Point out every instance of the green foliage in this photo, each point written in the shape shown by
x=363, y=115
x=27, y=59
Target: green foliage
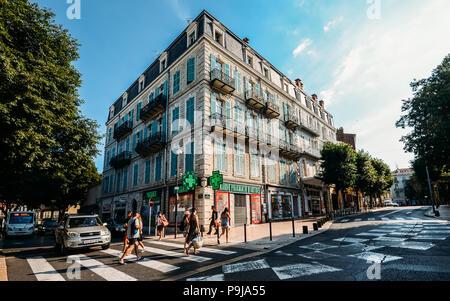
x=338, y=165
x=428, y=114
x=384, y=178
x=366, y=173
x=46, y=146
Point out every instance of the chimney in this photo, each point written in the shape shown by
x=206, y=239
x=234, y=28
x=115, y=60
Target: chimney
x=322, y=104
x=246, y=40
x=314, y=97
x=299, y=84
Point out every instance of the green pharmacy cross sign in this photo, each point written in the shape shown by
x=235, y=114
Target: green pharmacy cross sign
x=190, y=181
x=216, y=180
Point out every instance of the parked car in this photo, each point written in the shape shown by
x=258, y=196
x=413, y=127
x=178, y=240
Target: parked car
x=47, y=226
x=388, y=203
x=81, y=231
x=20, y=223
x=116, y=227
x=395, y=204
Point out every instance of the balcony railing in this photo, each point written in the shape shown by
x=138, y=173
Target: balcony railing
x=121, y=160
x=239, y=129
x=151, y=145
x=251, y=134
x=271, y=110
x=289, y=150
x=125, y=129
x=222, y=82
x=254, y=101
x=292, y=122
x=312, y=153
x=309, y=128
x=153, y=108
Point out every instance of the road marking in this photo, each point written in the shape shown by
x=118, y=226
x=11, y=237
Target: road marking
x=350, y=239
x=245, y=266
x=317, y=255
x=317, y=246
x=390, y=238
x=436, y=231
x=357, y=220
x=415, y=245
x=370, y=234
x=149, y=263
x=417, y=268
x=195, y=258
x=299, y=270
x=400, y=218
x=385, y=219
x=382, y=230
x=104, y=271
x=203, y=249
x=219, y=277
x=281, y=253
x=371, y=219
x=430, y=237
x=375, y=257
x=344, y=220
x=43, y=270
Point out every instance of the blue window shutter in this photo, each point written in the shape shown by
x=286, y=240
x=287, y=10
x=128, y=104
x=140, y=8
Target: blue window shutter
x=227, y=70
x=125, y=178
x=257, y=89
x=165, y=88
x=128, y=145
x=141, y=136
x=189, y=157
x=164, y=125
x=173, y=164
x=213, y=103
x=135, y=175
x=131, y=115
x=175, y=119
x=190, y=70
x=138, y=111
x=156, y=92
x=213, y=61
x=227, y=110
x=147, y=172
x=134, y=143
x=154, y=127
x=151, y=97
x=158, y=168
x=145, y=133
x=190, y=107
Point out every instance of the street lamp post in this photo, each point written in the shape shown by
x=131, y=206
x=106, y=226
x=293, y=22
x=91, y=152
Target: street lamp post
x=431, y=190
x=179, y=152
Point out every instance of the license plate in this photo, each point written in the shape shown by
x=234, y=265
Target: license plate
x=90, y=241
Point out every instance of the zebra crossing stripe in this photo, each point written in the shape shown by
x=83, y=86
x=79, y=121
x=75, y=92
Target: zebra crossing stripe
x=195, y=258
x=371, y=219
x=357, y=220
x=104, y=271
x=219, y=277
x=385, y=219
x=207, y=250
x=344, y=220
x=149, y=263
x=43, y=270
x=400, y=218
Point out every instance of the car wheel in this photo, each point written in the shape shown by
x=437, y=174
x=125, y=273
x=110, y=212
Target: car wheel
x=105, y=247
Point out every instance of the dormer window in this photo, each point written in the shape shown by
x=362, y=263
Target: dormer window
x=218, y=37
x=141, y=83
x=266, y=72
x=163, y=62
x=191, y=33
x=250, y=60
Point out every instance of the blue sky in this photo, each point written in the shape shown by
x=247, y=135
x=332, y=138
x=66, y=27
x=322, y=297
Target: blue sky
x=359, y=56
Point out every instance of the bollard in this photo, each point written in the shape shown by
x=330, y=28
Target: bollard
x=270, y=228
x=245, y=232
x=218, y=240
x=315, y=227
x=319, y=224
x=305, y=229
x=293, y=228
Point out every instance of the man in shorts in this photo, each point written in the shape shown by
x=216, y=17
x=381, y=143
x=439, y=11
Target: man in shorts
x=133, y=227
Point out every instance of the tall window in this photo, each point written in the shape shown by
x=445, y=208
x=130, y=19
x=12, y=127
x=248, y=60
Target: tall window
x=173, y=164
x=147, y=171
x=118, y=177
x=190, y=109
x=176, y=82
x=135, y=174
x=189, y=157
x=221, y=157
x=125, y=178
x=138, y=111
x=271, y=168
x=239, y=161
x=190, y=70
x=175, y=120
x=254, y=163
x=158, y=168
x=283, y=175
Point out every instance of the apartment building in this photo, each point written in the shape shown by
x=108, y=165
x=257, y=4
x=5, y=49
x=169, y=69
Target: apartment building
x=401, y=178
x=210, y=102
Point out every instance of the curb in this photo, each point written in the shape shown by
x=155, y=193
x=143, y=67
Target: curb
x=3, y=269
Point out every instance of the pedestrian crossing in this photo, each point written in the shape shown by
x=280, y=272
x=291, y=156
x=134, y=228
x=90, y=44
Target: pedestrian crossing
x=381, y=218
x=159, y=259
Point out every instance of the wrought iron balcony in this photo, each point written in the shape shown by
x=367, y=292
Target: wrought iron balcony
x=289, y=151
x=222, y=82
x=311, y=153
x=153, y=108
x=151, y=145
x=271, y=110
x=121, y=160
x=251, y=134
x=239, y=129
x=125, y=129
x=292, y=122
x=254, y=101
x=309, y=128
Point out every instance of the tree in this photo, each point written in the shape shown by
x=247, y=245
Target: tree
x=384, y=179
x=428, y=114
x=46, y=145
x=338, y=166
x=366, y=173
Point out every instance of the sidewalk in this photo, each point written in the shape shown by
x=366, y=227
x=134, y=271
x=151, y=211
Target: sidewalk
x=3, y=271
x=444, y=211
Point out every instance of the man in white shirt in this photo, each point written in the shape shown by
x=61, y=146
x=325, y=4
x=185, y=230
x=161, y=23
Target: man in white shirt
x=132, y=234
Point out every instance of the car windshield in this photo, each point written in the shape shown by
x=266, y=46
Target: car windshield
x=76, y=222
x=50, y=223
x=20, y=218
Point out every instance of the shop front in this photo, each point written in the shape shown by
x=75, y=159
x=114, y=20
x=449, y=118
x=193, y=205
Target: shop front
x=185, y=203
x=151, y=205
x=243, y=201
x=315, y=196
x=284, y=203
x=105, y=210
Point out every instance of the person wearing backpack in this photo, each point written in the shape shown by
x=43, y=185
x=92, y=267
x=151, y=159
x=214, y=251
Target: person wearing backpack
x=133, y=227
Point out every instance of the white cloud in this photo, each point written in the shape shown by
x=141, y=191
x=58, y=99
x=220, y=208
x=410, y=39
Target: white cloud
x=332, y=24
x=381, y=59
x=302, y=46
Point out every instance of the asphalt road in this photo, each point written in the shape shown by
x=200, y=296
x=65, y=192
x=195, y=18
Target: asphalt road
x=397, y=244
x=393, y=245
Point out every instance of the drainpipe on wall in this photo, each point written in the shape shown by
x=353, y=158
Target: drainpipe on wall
x=166, y=148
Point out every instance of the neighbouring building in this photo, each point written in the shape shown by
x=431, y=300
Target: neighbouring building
x=210, y=102
x=91, y=204
x=401, y=178
x=350, y=139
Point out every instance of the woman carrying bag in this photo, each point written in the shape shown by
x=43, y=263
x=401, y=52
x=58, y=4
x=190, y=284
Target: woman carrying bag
x=161, y=224
x=193, y=237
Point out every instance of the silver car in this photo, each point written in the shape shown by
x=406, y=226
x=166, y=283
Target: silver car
x=81, y=231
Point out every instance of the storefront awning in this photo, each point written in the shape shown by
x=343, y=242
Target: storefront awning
x=314, y=181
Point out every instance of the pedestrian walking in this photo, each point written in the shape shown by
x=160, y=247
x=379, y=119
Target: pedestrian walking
x=212, y=223
x=133, y=227
x=125, y=236
x=184, y=226
x=225, y=223
x=193, y=232
x=140, y=238
x=161, y=222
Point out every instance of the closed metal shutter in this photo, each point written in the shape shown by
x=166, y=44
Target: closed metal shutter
x=240, y=210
